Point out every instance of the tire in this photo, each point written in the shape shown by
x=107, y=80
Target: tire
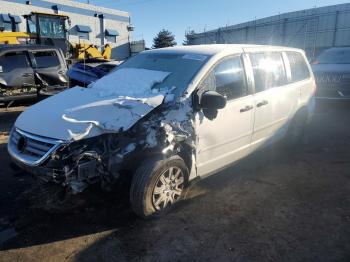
x=151, y=178
x=295, y=131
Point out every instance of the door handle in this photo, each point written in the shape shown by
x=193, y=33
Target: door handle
x=245, y=109
x=262, y=103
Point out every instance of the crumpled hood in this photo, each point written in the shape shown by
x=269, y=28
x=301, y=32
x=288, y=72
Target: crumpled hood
x=81, y=113
x=113, y=103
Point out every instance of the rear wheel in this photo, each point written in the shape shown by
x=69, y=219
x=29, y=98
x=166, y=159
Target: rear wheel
x=157, y=185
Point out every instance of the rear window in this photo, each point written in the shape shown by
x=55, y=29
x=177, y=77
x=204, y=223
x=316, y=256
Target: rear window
x=46, y=59
x=269, y=70
x=298, y=66
x=13, y=60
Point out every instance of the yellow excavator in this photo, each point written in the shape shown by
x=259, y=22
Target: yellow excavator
x=51, y=29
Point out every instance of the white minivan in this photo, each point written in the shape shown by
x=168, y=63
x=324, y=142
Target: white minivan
x=165, y=117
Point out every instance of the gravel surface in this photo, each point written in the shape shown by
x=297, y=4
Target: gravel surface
x=275, y=205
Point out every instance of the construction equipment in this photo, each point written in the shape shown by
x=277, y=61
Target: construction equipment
x=52, y=30
x=85, y=50
x=14, y=38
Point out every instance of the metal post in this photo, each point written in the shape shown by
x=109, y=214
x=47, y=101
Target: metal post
x=102, y=29
x=129, y=43
x=305, y=37
x=335, y=28
x=255, y=30
x=315, y=39
x=284, y=31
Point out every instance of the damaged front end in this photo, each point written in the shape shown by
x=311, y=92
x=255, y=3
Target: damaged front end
x=107, y=131
x=74, y=165
x=105, y=159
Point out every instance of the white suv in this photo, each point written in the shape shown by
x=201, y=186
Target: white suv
x=165, y=117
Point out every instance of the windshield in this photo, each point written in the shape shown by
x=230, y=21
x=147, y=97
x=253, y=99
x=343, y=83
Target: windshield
x=334, y=56
x=181, y=68
x=52, y=27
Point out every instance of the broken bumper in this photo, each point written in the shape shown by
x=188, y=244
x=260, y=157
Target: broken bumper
x=37, y=171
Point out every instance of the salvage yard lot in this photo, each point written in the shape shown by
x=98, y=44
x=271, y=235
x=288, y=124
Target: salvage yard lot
x=274, y=205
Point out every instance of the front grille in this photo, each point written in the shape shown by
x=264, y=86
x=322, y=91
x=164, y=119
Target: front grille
x=30, y=149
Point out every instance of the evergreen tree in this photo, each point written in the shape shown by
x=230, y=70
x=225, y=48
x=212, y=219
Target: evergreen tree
x=164, y=39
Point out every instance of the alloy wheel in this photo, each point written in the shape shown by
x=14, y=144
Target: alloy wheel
x=168, y=188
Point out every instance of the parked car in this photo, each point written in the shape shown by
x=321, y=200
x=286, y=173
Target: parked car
x=166, y=117
x=88, y=71
x=332, y=73
x=27, y=71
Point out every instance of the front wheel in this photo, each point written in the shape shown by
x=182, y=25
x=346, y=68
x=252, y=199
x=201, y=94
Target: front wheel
x=157, y=185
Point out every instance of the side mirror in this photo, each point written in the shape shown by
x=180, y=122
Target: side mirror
x=212, y=100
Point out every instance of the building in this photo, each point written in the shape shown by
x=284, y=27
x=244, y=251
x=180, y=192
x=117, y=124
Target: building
x=312, y=30
x=91, y=23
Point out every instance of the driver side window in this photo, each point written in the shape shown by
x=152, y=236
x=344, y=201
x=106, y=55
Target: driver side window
x=227, y=78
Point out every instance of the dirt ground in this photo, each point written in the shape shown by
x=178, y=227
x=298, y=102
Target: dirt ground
x=273, y=206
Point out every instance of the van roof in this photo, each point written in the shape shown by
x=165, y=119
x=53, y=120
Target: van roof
x=214, y=49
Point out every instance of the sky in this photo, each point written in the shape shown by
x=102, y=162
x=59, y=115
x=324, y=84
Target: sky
x=179, y=16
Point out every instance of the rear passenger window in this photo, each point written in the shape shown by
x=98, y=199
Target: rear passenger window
x=13, y=60
x=298, y=66
x=46, y=59
x=269, y=70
